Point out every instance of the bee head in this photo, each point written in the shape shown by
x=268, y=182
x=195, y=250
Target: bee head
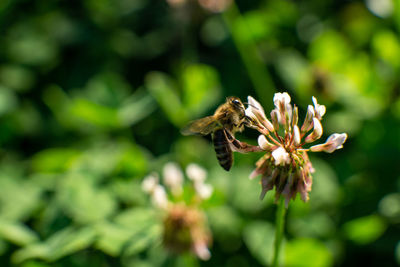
x=235, y=103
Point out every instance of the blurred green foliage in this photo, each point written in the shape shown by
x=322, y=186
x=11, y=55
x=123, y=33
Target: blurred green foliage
x=93, y=94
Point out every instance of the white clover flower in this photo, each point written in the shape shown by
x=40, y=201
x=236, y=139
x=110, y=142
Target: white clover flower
x=196, y=173
x=319, y=109
x=173, y=177
x=280, y=156
x=285, y=166
x=334, y=142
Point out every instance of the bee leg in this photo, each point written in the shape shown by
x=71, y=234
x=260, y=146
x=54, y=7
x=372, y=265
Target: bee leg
x=239, y=146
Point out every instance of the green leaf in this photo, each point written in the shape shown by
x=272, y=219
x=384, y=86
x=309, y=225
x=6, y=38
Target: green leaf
x=259, y=238
x=54, y=159
x=79, y=198
x=164, y=90
x=112, y=238
x=201, y=88
x=386, y=45
x=8, y=100
x=17, y=233
x=62, y=243
x=307, y=253
x=136, y=107
x=18, y=198
x=95, y=114
x=364, y=230
x=133, y=231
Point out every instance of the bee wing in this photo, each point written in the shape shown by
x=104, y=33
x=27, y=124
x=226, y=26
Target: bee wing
x=202, y=126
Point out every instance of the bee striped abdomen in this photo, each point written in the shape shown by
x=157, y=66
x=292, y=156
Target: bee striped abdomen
x=222, y=149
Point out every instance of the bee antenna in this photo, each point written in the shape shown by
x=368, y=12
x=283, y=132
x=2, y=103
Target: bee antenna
x=250, y=105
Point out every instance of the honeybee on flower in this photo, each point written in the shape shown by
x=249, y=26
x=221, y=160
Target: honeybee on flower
x=185, y=224
x=286, y=165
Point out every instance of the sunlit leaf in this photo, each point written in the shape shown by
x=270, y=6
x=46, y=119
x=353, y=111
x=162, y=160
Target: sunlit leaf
x=94, y=113
x=201, y=88
x=386, y=45
x=18, y=198
x=17, y=233
x=307, y=253
x=136, y=107
x=164, y=90
x=60, y=244
x=83, y=201
x=364, y=230
x=54, y=159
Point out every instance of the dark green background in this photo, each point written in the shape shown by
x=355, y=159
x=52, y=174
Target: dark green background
x=93, y=94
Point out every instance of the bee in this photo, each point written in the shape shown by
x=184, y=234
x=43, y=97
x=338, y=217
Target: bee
x=228, y=119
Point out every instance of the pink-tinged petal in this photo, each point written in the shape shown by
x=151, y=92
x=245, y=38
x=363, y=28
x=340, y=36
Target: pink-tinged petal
x=201, y=251
x=275, y=117
x=319, y=109
x=308, y=121
x=316, y=133
x=334, y=142
x=256, y=112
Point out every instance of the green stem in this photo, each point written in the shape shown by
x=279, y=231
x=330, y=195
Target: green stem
x=248, y=50
x=280, y=223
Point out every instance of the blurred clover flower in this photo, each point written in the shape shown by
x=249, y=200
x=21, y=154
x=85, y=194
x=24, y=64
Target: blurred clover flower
x=286, y=165
x=210, y=5
x=185, y=225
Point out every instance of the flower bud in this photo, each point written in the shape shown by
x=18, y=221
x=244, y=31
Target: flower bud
x=316, y=133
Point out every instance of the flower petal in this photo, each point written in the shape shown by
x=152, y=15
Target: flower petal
x=263, y=143
x=334, y=142
x=150, y=182
x=280, y=156
x=196, y=173
x=319, y=109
